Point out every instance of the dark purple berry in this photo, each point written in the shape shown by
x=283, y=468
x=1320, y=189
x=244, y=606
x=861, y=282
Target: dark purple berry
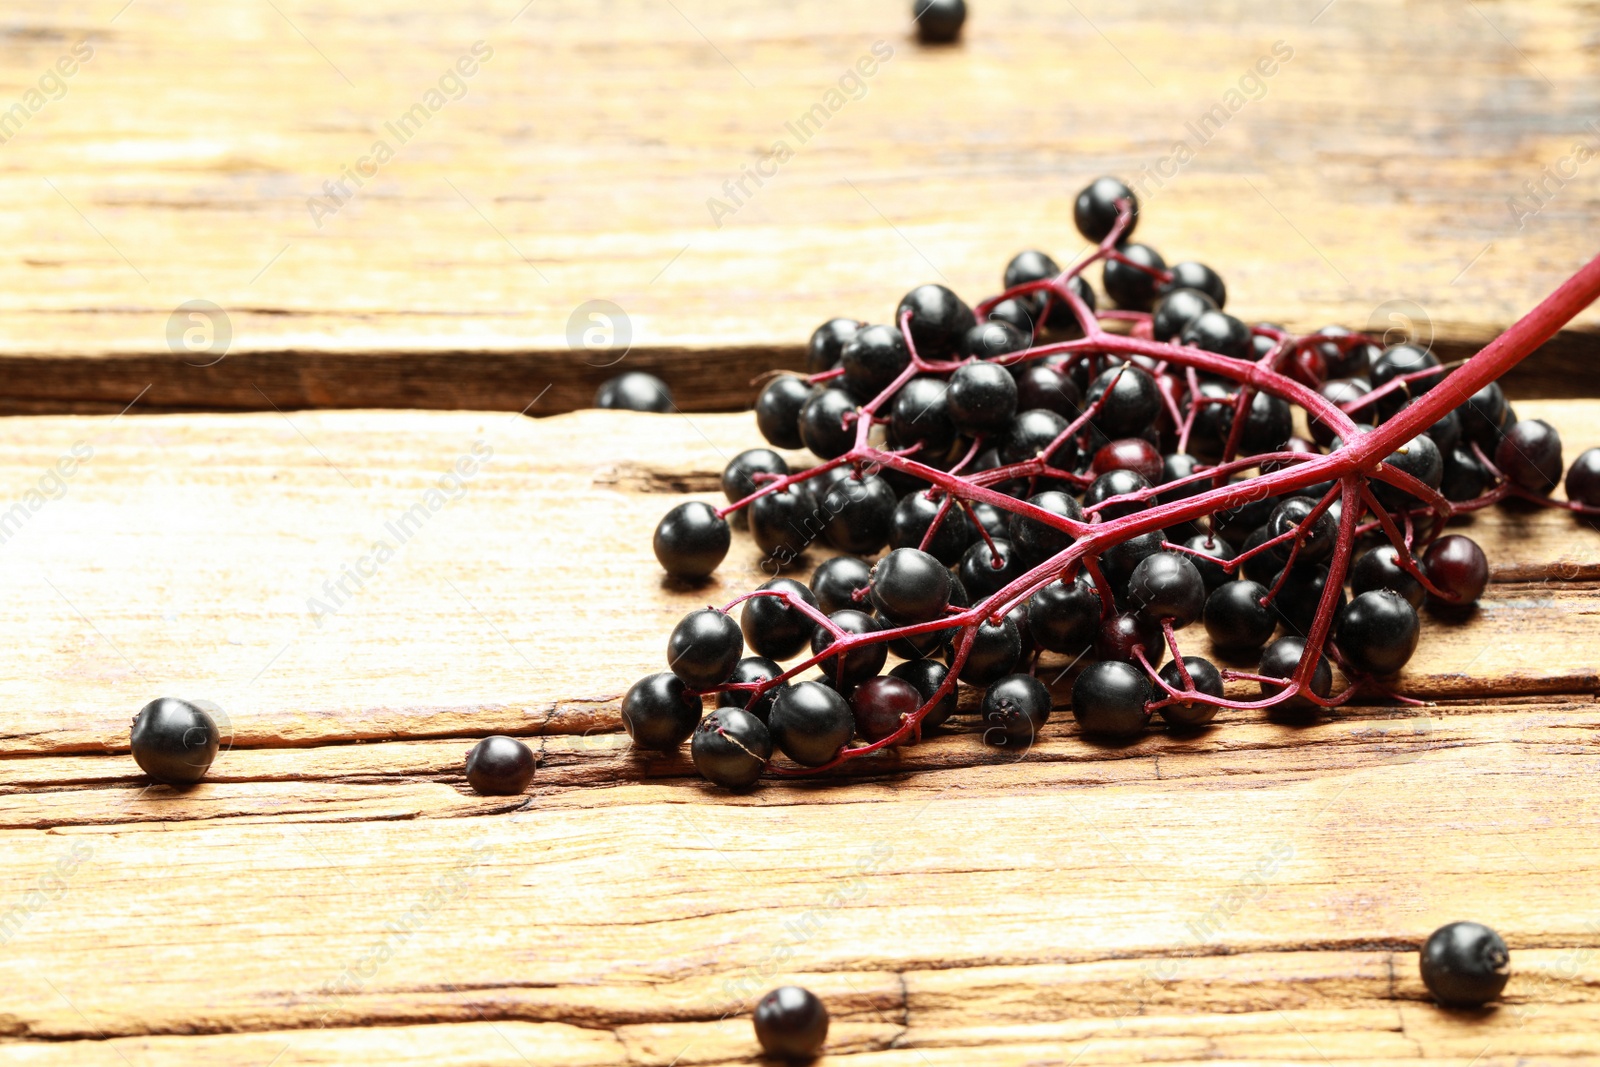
x=880, y=705
x=1014, y=710
x=691, y=541
x=499, y=766
x=1457, y=566
x=659, y=712
x=810, y=723
x=773, y=627
x=1109, y=698
x=704, y=648
x=1378, y=631
x=1235, y=618
x=731, y=748
x=751, y=669
x=791, y=1022
x=635, y=391
x=859, y=663
x=1530, y=455
x=1095, y=212
x=1205, y=678
x=1465, y=965
x=174, y=741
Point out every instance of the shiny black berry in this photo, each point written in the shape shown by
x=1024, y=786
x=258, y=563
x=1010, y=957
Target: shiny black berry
x=1205, y=678
x=1377, y=632
x=1014, y=710
x=1095, y=212
x=791, y=1022
x=1583, y=479
x=499, y=766
x=1530, y=455
x=835, y=581
x=1175, y=311
x=778, y=411
x=928, y=675
x=827, y=423
x=1379, y=568
x=739, y=477
x=982, y=398
x=996, y=648
x=872, y=360
x=1132, y=404
x=810, y=723
x=1035, y=540
x=1456, y=565
x=910, y=586
x=704, y=648
x=1236, y=620
x=1281, y=660
x=921, y=414
x=784, y=523
x=1219, y=332
x=751, y=669
x=914, y=517
x=1109, y=698
x=881, y=705
x=691, y=540
x=859, y=513
x=1418, y=457
x=1316, y=539
x=985, y=571
x=1043, y=387
x=827, y=344
x=1130, y=286
x=861, y=662
x=659, y=712
x=1465, y=964
x=1065, y=616
x=635, y=391
x=731, y=748
x=774, y=628
x=1215, y=548
x=1167, y=587
x=1031, y=436
x=1123, y=636
x=1114, y=484
x=1191, y=275
x=173, y=741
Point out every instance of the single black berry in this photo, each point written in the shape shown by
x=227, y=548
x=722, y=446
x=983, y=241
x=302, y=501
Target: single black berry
x=659, y=712
x=1299, y=595
x=773, y=627
x=859, y=513
x=1167, y=587
x=1109, y=698
x=1204, y=678
x=1465, y=964
x=739, y=477
x=1114, y=484
x=1118, y=562
x=635, y=391
x=1124, y=636
x=785, y=522
x=1219, y=332
x=1065, y=616
x=499, y=766
x=928, y=675
x=691, y=540
x=827, y=344
x=173, y=741
x=1131, y=401
x=1014, y=710
x=1095, y=212
x=1214, y=548
x=751, y=669
x=1036, y=540
x=827, y=423
x=1176, y=310
x=810, y=723
x=995, y=650
x=1236, y=620
x=985, y=571
x=872, y=360
x=1043, y=387
x=859, y=663
x=1418, y=457
x=791, y=1022
x=778, y=411
x=1132, y=285
x=1530, y=455
x=991, y=340
x=1583, y=479
x=731, y=748
x=982, y=398
x=1316, y=539
x=1377, y=631
x=921, y=414
x=1379, y=568
x=835, y=581
x=704, y=648
x=1281, y=660
x=910, y=586
x=1191, y=275
x=914, y=517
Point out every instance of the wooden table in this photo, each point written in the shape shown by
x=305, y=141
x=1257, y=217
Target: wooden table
x=335, y=894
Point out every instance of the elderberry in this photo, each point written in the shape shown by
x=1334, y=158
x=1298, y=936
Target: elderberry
x=1131, y=401
x=1530, y=455
x=1166, y=587
x=1095, y=212
x=1132, y=284
x=910, y=586
x=1109, y=698
x=1458, y=568
x=740, y=476
x=872, y=360
x=499, y=766
x=635, y=391
x=778, y=411
x=810, y=723
x=1379, y=568
x=982, y=398
x=174, y=741
x=751, y=670
x=928, y=676
x=1015, y=708
x=827, y=344
x=659, y=712
x=704, y=648
x=1377, y=632
x=1198, y=277
x=731, y=748
x=1281, y=660
x=1465, y=964
x=827, y=423
x=1583, y=479
x=857, y=664
x=791, y=1022
x=1236, y=618
x=691, y=541
x=994, y=652
x=881, y=705
x=1064, y=616
x=1203, y=678
x=774, y=627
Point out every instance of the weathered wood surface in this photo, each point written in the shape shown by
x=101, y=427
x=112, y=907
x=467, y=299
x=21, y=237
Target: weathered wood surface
x=180, y=161
x=334, y=893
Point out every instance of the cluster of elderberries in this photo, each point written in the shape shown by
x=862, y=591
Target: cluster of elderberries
x=1052, y=478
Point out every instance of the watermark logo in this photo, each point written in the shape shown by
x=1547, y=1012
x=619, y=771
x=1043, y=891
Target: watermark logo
x=200, y=332
x=1401, y=322
x=601, y=331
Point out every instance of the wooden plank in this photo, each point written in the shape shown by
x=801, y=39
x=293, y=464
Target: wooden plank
x=334, y=893
x=580, y=159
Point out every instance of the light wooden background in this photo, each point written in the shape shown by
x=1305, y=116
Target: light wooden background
x=335, y=894
x=1376, y=167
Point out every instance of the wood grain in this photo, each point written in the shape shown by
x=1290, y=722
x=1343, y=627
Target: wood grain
x=334, y=893
x=578, y=164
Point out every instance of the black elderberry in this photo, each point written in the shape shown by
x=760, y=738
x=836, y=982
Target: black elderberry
x=1377, y=632
x=1115, y=484
x=995, y=650
x=1036, y=541
x=1064, y=616
x=1268, y=422
x=1109, y=698
x=991, y=340
x=174, y=741
x=1014, y=710
x=773, y=627
x=791, y=1022
x=739, y=476
x=860, y=514
x=1129, y=453
x=1281, y=660
x=982, y=398
x=1343, y=357
x=1030, y=436
x=783, y=523
x=910, y=586
x=1215, y=548
x=1484, y=417
x=827, y=423
x=921, y=415
x=1379, y=568
x=778, y=411
x=1219, y=332
x=810, y=723
x=1023, y=314
x=1398, y=361
x=1298, y=597
x=1132, y=401
x=881, y=706
x=872, y=360
x=939, y=320
x=1530, y=455
x=827, y=344
x=1340, y=391
x=914, y=517
x=995, y=523
x=635, y=391
x=1118, y=562
x=1464, y=477
x=1235, y=618
x=1176, y=310
x=704, y=648
x=1043, y=387
x=499, y=766
x=1095, y=212
x=1418, y=457
x=1205, y=678
x=1166, y=586
x=691, y=540
x=731, y=748
x=1123, y=636
x=1191, y=275
x=928, y=675
x=1456, y=566
x=1583, y=479
x=985, y=571
x=751, y=669
x=835, y=581
x=1131, y=285
x=1316, y=539
x=1465, y=965
x=659, y=712
x=859, y=663
x=939, y=21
